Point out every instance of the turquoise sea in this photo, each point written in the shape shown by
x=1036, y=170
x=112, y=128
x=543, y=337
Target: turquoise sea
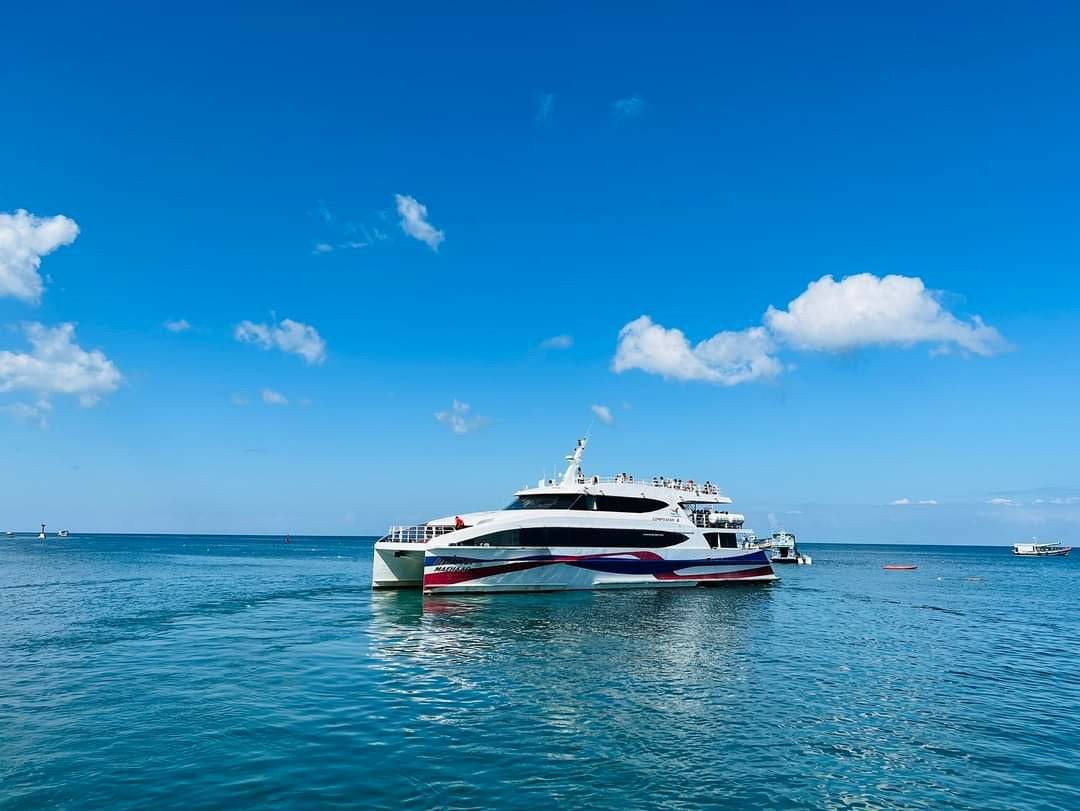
x=219, y=672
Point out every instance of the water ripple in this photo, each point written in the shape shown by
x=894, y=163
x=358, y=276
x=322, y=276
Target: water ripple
x=203, y=672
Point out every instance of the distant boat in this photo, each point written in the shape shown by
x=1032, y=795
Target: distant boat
x=9, y=534
x=900, y=567
x=62, y=533
x=41, y=535
x=784, y=550
x=1047, y=550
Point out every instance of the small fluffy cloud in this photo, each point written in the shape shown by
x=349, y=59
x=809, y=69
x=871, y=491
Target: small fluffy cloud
x=728, y=358
x=288, y=336
x=929, y=502
x=603, y=413
x=544, y=104
x=414, y=221
x=56, y=364
x=1003, y=502
x=459, y=420
x=24, y=239
x=830, y=316
x=31, y=412
x=271, y=397
x=329, y=247
x=179, y=325
x=628, y=108
x=557, y=342
x=868, y=310
x=901, y=502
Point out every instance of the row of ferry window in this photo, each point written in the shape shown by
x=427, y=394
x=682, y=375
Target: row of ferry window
x=583, y=501
x=578, y=536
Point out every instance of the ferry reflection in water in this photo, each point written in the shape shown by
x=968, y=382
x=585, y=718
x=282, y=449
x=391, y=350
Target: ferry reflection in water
x=681, y=635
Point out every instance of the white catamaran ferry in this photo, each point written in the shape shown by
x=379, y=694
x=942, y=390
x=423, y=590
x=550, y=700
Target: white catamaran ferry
x=578, y=532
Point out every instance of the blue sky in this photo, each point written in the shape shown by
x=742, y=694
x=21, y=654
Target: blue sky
x=373, y=213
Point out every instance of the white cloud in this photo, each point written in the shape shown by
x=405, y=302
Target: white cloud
x=179, y=325
x=603, y=413
x=58, y=365
x=628, y=108
x=328, y=247
x=288, y=336
x=458, y=419
x=271, y=397
x=557, y=342
x=858, y=311
x=544, y=103
x=868, y=310
x=24, y=239
x=31, y=412
x=901, y=502
x=727, y=358
x=929, y=502
x=414, y=221
x=1003, y=502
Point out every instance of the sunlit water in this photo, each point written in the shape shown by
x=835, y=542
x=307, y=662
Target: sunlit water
x=199, y=672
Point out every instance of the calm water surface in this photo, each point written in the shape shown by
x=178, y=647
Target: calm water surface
x=211, y=672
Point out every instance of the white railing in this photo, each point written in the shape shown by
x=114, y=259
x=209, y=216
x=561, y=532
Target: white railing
x=689, y=486
x=419, y=533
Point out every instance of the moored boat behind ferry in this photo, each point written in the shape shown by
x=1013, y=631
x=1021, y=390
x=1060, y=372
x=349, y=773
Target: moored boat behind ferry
x=578, y=532
x=785, y=550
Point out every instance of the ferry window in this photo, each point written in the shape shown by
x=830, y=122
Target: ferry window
x=579, y=537
x=555, y=501
x=582, y=501
x=589, y=536
x=728, y=541
x=508, y=537
x=712, y=539
x=627, y=504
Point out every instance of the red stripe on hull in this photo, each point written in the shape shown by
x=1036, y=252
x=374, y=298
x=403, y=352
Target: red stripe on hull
x=435, y=579
x=450, y=578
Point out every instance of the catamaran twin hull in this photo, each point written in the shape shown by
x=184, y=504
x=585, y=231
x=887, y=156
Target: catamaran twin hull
x=450, y=570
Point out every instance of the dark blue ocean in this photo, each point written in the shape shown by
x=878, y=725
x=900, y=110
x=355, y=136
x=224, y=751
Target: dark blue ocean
x=219, y=672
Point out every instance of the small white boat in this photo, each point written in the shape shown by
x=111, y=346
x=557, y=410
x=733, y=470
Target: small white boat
x=62, y=533
x=784, y=550
x=41, y=535
x=1041, y=550
x=9, y=534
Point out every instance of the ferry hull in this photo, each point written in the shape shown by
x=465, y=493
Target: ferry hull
x=397, y=566
x=491, y=569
